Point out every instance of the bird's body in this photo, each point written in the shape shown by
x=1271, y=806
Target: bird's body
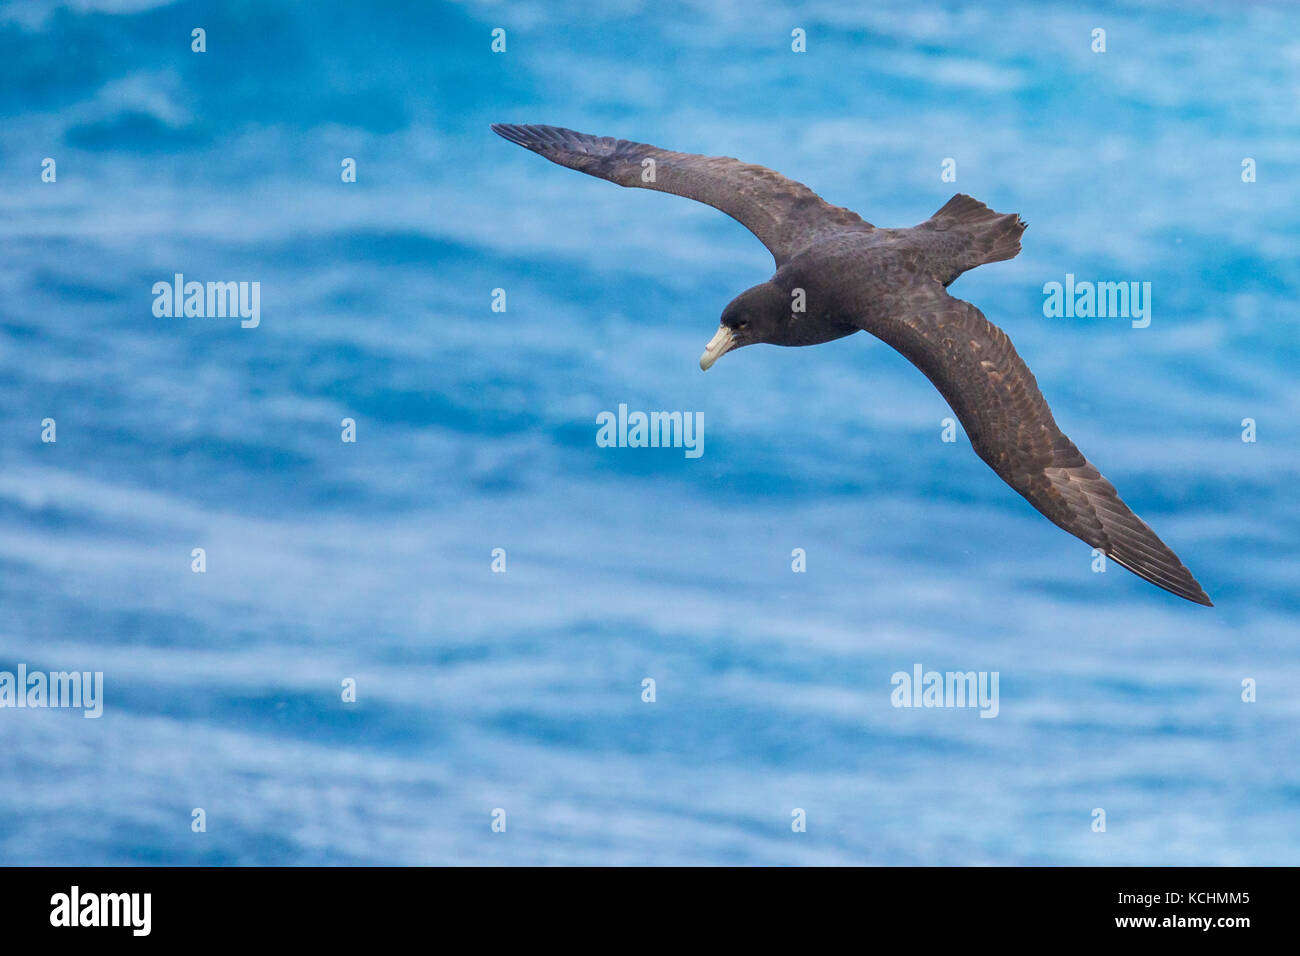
x=837, y=274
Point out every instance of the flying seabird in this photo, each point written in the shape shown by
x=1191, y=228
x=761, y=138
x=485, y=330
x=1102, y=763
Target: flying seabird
x=849, y=276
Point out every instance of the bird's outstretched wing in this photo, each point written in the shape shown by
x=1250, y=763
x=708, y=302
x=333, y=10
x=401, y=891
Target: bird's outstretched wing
x=785, y=215
x=975, y=367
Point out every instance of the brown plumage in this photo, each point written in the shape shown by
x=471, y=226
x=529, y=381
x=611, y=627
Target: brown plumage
x=852, y=276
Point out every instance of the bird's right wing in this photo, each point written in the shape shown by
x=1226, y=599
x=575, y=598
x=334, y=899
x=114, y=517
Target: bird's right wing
x=785, y=215
x=975, y=367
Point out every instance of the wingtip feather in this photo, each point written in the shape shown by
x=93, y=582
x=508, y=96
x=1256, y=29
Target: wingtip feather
x=1177, y=581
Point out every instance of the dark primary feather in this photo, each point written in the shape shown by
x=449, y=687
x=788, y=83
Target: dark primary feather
x=785, y=215
x=974, y=365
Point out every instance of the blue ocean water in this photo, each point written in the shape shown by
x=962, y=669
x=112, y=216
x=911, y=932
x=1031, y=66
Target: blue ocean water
x=522, y=691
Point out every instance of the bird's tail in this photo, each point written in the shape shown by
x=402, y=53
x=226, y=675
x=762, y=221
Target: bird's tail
x=992, y=236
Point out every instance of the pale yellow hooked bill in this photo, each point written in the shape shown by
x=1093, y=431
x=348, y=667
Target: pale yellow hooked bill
x=724, y=340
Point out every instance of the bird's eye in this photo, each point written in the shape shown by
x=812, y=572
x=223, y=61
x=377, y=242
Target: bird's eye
x=744, y=324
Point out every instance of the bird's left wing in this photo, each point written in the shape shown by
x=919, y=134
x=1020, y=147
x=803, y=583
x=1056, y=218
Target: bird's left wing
x=785, y=215
x=975, y=367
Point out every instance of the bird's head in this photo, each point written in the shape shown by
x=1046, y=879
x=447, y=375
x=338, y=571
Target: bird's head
x=760, y=314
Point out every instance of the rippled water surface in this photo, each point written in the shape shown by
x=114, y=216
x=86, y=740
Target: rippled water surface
x=476, y=430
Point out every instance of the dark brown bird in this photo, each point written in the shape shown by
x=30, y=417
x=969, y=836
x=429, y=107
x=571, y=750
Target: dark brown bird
x=837, y=274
